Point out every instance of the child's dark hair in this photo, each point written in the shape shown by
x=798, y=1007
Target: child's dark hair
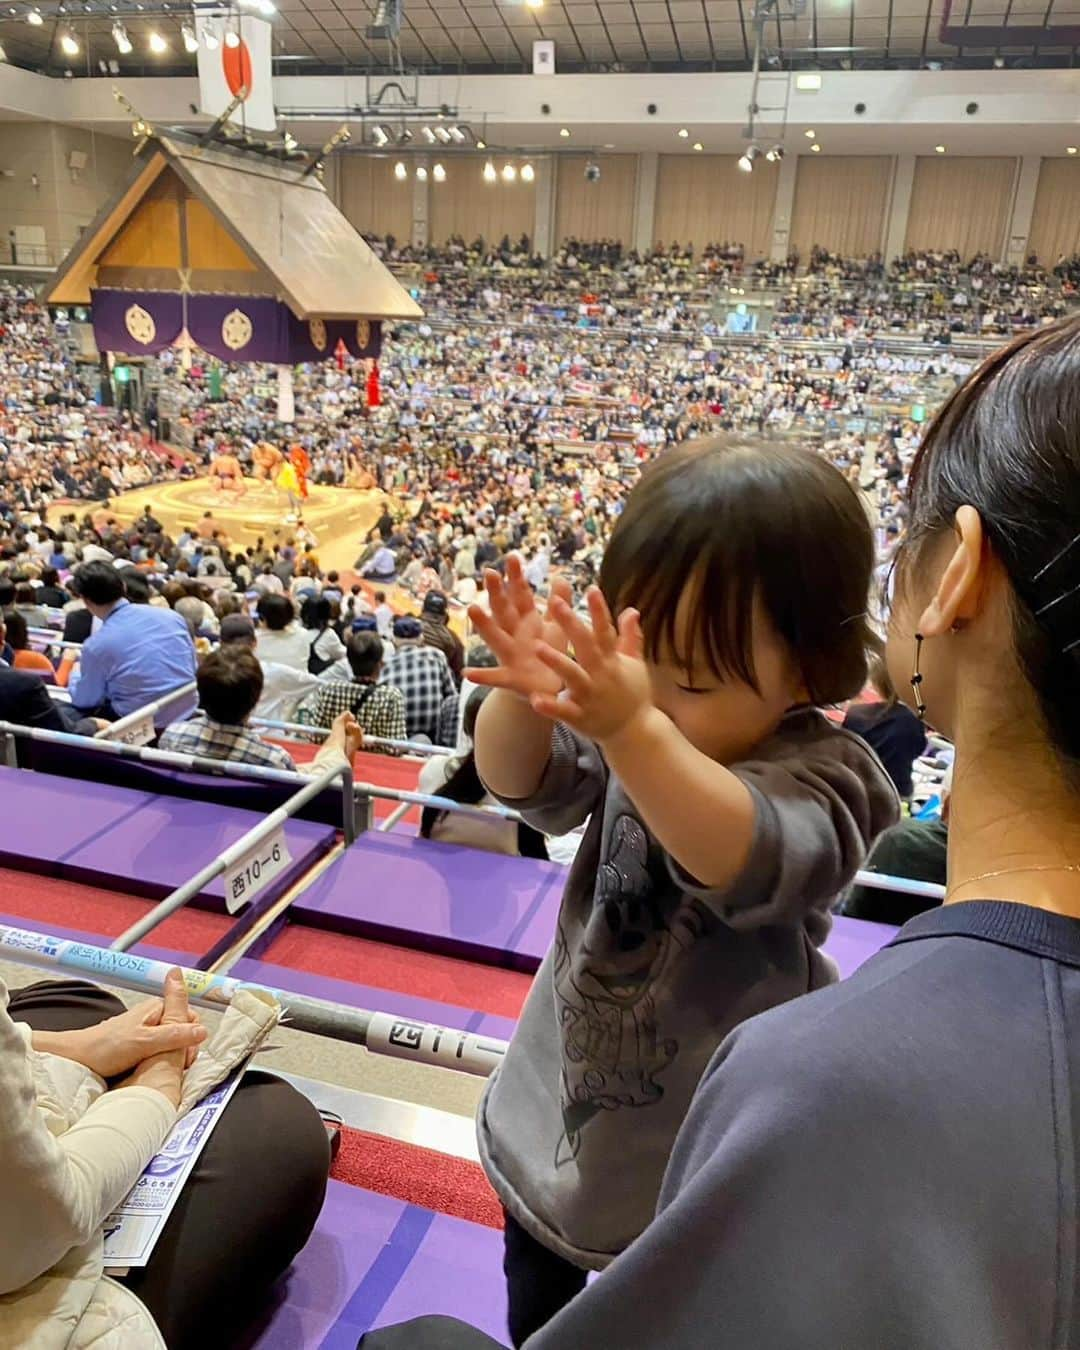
x=1007, y=442
x=735, y=521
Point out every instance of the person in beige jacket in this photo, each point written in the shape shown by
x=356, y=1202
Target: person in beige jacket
x=85, y=1103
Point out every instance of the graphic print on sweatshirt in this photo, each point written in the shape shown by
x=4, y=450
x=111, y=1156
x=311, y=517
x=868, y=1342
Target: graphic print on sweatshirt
x=614, y=1055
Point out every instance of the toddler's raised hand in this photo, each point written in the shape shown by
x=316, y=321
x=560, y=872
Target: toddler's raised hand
x=514, y=629
x=606, y=686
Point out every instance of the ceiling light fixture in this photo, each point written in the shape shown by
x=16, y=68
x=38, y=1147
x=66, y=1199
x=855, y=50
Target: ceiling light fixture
x=34, y=18
x=439, y=173
x=191, y=42
x=232, y=38
x=490, y=173
x=816, y=148
x=400, y=171
x=564, y=132
x=528, y=173
x=939, y=149
x=684, y=134
x=1070, y=149
x=210, y=40
x=428, y=134
x=748, y=158
x=457, y=134
x=481, y=145
x=69, y=44
x=120, y=37
x=698, y=145
x=534, y=4
x=421, y=173
x=381, y=135
x=443, y=134
x=775, y=154
x=810, y=134
x=509, y=173
x=157, y=43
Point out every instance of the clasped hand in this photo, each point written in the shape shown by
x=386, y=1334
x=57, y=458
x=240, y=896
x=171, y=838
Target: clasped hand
x=600, y=691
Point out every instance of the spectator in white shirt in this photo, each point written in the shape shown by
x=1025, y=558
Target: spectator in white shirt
x=279, y=638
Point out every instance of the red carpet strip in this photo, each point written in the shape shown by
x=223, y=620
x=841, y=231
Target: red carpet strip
x=446, y=979
x=419, y=1176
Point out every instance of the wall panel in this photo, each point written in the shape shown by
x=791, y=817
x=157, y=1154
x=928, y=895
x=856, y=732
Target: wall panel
x=840, y=204
x=372, y=199
x=961, y=203
x=603, y=210
x=704, y=199
x=1055, y=222
x=467, y=206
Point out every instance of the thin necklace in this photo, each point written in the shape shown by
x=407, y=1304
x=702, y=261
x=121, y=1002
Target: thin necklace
x=1011, y=872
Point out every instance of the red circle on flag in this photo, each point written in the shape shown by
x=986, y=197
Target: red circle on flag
x=236, y=65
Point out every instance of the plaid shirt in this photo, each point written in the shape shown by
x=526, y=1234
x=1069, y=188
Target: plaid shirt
x=379, y=708
x=423, y=676
x=200, y=736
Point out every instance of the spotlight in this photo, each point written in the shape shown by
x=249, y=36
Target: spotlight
x=34, y=19
x=509, y=173
x=816, y=148
x=289, y=141
x=999, y=63
x=481, y=145
x=400, y=172
x=191, y=42
x=592, y=172
x=157, y=43
x=232, y=38
x=381, y=135
x=404, y=136
x=120, y=37
x=564, y=132
x=810, y=134
x=684, y=134
x=490, y=173
x=939, y=149
x=69, y=44
x=775, y=154
x=698, y=145
x=443, y=135
x=439, y=173
x=528, y=173
x=210, y=40
x=266, y=8
x=1070, y=149
x=421, y=173
x=114, y=67
x=534, y=4
x=428, y=134
x=748, y=158
x=457, y=134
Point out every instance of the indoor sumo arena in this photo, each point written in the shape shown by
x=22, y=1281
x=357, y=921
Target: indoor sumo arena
x=539, y=628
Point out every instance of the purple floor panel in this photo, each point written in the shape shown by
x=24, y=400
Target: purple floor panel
x=853, y=941
x=149, y=844
x=373, y=999
x=373, y=1261
x=439, y=897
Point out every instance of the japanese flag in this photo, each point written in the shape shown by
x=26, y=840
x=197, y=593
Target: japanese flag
x=234, y=53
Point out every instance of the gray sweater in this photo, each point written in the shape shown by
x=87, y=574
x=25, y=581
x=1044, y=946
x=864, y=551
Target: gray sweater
x=889, y=1164
x=649, y=973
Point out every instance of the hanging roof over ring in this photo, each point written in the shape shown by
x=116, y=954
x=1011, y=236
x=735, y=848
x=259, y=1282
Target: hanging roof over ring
x=212, y=219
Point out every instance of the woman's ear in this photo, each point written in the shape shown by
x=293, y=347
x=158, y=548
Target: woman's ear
x=961, y=586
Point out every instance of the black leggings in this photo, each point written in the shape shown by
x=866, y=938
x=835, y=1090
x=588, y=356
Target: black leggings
x=247, y=1208
x=539, y=1282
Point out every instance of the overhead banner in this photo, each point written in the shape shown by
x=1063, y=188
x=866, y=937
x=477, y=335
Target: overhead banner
x=234, y=54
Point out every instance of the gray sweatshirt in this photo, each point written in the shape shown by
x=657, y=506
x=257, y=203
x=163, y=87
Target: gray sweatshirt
x=650, y=971
x=889, y=1164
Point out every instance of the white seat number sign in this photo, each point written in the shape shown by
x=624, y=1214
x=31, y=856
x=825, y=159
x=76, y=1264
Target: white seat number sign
x=255, y=870
x=139, y=733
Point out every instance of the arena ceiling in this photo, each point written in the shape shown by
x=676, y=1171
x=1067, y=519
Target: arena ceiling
x=479, y=36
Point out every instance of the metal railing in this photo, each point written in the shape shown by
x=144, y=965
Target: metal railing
x=380, y=1033
x=174, y=759
x=419, y=748
x=881, y=881
x=117, y=730
x=233, y=854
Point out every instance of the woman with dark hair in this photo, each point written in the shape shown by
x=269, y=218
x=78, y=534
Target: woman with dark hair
x=25, y=657
x=456, y=778
x=891, y=1162
x=318, y=615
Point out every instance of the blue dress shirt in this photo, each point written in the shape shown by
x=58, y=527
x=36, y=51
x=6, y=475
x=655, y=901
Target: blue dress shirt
x=139, y=653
